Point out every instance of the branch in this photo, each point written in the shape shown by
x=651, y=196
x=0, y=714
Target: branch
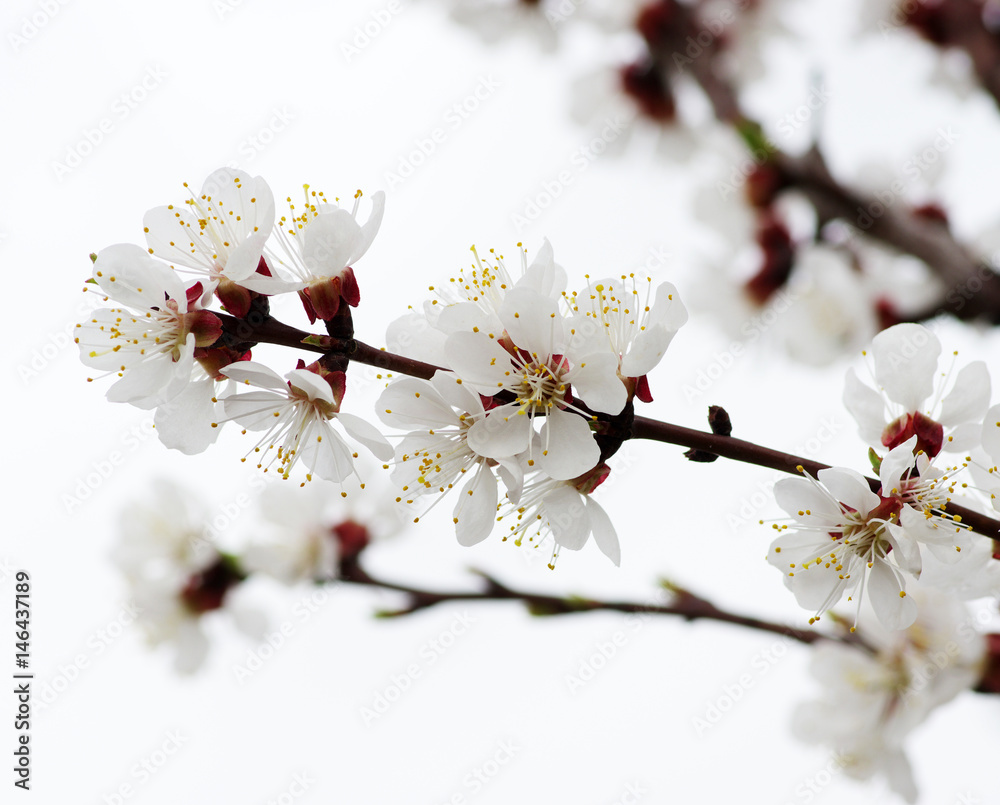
x=272, y=331
x=267, y=330
x=685, y=605
x=750, y=453
x=971, y=293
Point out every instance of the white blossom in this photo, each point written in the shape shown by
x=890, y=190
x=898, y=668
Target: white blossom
x=909, y=396
x=149, y=342
x=871, y=702
x=535, y=360
x=847, y=538
x=295, y=413
x=437, y=457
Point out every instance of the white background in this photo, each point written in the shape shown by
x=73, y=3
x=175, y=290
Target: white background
x=223, y=75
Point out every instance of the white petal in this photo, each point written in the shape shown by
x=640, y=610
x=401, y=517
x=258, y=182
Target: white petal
x=566, y=512
x=646, y=351
x=128, y=275
x=905, y=550
x=866, y=406
x=533, y=322
x=569, y=449
x=457, y=395
x=254, y=410
x=816, y=588
x=667, y=310
x=154, y=382
x=544, y=275
x=478, y=360
x=991, y=433
x=604, y=532
x=413, y=336
x=170, y=241
x=849, y=487
x=894, y=611
x=370, y=228
x=192, y=646
x=512, y=474
x=185, y=422
x=329, y=241
x=330, y=458
x=465, y=317
x=255, y=374
x=502, y=433
x=906, y=357
x=586, y=336
x=245, y=258
x=366, y=433
x=896, y=462
x=970, y=397
x=409, y=402
x=796, y=495
x=314, y=386
x=271, y=286
x=596, y=382
x=476, y=510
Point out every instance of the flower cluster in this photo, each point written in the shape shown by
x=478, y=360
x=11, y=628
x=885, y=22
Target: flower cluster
x=180, y=576
x=872, y=699
x=533, y=390
x=532, y=377
x=172, y=353
x=849, y=535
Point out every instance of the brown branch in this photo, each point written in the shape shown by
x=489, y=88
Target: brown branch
x=960, y=24
x=750, y=453
x=685, y=605
x=971, y=292
x=267, y=330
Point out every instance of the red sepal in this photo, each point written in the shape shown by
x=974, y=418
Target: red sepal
x=235, y=297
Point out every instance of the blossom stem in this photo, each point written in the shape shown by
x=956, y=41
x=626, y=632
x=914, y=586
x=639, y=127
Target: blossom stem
x=684, y=604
